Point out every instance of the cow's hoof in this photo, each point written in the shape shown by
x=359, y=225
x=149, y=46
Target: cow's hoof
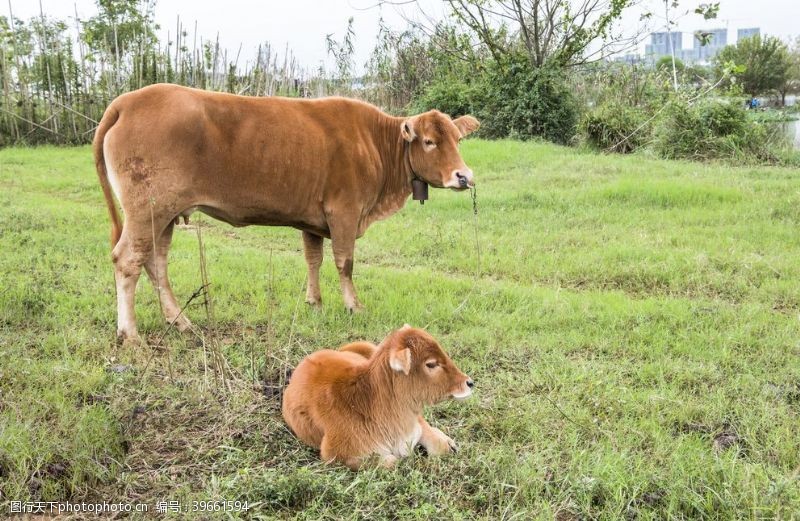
x=182, y=324
x=315, y=303
x=441, y=444
x=389, y=462
x=358, y=308
x=130, y=341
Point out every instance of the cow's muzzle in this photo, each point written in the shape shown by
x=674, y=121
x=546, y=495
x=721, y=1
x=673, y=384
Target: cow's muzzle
x=460, y=179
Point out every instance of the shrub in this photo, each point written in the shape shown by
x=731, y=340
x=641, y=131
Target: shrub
x=615, y=127
x=713, y=129
x=524, y=102
x=512, y=100
x=454, y=98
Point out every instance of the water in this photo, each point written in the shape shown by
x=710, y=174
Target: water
x=792, y=130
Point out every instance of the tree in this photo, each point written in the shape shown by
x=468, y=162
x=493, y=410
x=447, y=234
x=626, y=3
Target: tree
x=560, y=33
x=121, y=25
x=766, y=61
x=342, y=53
x=793, y=81
x=667, y=62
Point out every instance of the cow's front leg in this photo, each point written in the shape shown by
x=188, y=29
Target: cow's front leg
x=343, y=241
x=312, y=244
x=435, y=441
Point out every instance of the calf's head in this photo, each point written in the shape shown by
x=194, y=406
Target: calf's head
x=421, y=371
x=433, y=155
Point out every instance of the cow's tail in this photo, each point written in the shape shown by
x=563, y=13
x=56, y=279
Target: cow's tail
x=109, y=118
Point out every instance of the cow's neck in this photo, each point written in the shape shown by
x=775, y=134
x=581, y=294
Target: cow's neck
x=377, y=391
x=395, y=173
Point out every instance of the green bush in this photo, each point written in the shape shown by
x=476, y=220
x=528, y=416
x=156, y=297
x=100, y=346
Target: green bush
x=454, y=98
x=524, y=102
x=511, y=100
x=615, y=127
x=713, y=129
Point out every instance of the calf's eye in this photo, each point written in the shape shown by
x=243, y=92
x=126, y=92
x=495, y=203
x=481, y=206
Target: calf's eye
x=429, y=142
x=431, y=365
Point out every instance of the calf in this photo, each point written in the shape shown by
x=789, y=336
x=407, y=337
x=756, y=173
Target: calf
x=365, y=399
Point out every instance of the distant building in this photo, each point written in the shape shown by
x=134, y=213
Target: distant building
x=631, y=59
x=660, y=45
x=707, y=43
x=747, y=33
x=688, y=55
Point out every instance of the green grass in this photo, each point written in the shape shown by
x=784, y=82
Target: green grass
x=634, y=337
x=780, y=115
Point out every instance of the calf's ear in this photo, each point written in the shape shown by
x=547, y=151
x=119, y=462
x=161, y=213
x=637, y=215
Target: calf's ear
x=467, y=125
x=400, y=360
x=407, y=130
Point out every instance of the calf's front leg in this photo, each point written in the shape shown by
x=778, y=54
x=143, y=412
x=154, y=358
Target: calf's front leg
x=343, y=242
x=435, y=441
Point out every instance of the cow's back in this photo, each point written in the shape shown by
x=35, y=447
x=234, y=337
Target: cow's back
x=243, y=159
x=311, y=402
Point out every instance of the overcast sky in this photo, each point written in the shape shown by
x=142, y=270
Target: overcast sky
x=303, y=24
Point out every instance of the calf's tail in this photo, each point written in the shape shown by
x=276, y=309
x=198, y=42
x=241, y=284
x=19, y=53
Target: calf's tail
x=109, y=118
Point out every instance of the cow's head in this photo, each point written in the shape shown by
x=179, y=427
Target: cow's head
x=433, y=148
x=422, y=371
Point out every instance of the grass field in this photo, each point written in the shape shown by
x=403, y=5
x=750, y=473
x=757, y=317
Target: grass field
x=634, y=336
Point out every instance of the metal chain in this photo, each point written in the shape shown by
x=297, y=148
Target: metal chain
x=474, y=200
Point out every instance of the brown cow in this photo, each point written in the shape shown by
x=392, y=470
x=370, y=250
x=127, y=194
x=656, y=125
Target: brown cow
x=365, y=399
x=328, y=167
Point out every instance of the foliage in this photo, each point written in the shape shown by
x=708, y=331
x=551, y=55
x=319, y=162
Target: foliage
x=121, y=26
x=555, y=33
x=452, y=97
x=666, y=62
x=405, y=63
x=635, y=108
x=56, y=85
x=637, y=85
x=615, y=127
x=767, y=64
x=713, y=129
x=342, y=53
x=793, y=85
x=524, y=102
x=510, y=97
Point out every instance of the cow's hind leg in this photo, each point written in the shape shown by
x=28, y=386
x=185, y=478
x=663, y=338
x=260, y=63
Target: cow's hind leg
x=129, y=255
x=312, y=245
x=343, y=241
x=156, y=268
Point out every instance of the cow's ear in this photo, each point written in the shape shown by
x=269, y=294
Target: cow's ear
x=407, y=130
x=467, y=125
x=400, y=360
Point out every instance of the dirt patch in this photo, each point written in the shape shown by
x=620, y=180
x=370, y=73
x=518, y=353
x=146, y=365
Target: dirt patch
x=90, y=399
x=725, y=440
x=650, y=500
x=721, y=437
x=138, y=171
x=193, y=436
x=273, y=384
x=789, y=392
x=693, y=428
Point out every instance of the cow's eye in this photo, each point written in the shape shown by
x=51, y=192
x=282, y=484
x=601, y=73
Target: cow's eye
x=429, y=143
x=432, y=364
